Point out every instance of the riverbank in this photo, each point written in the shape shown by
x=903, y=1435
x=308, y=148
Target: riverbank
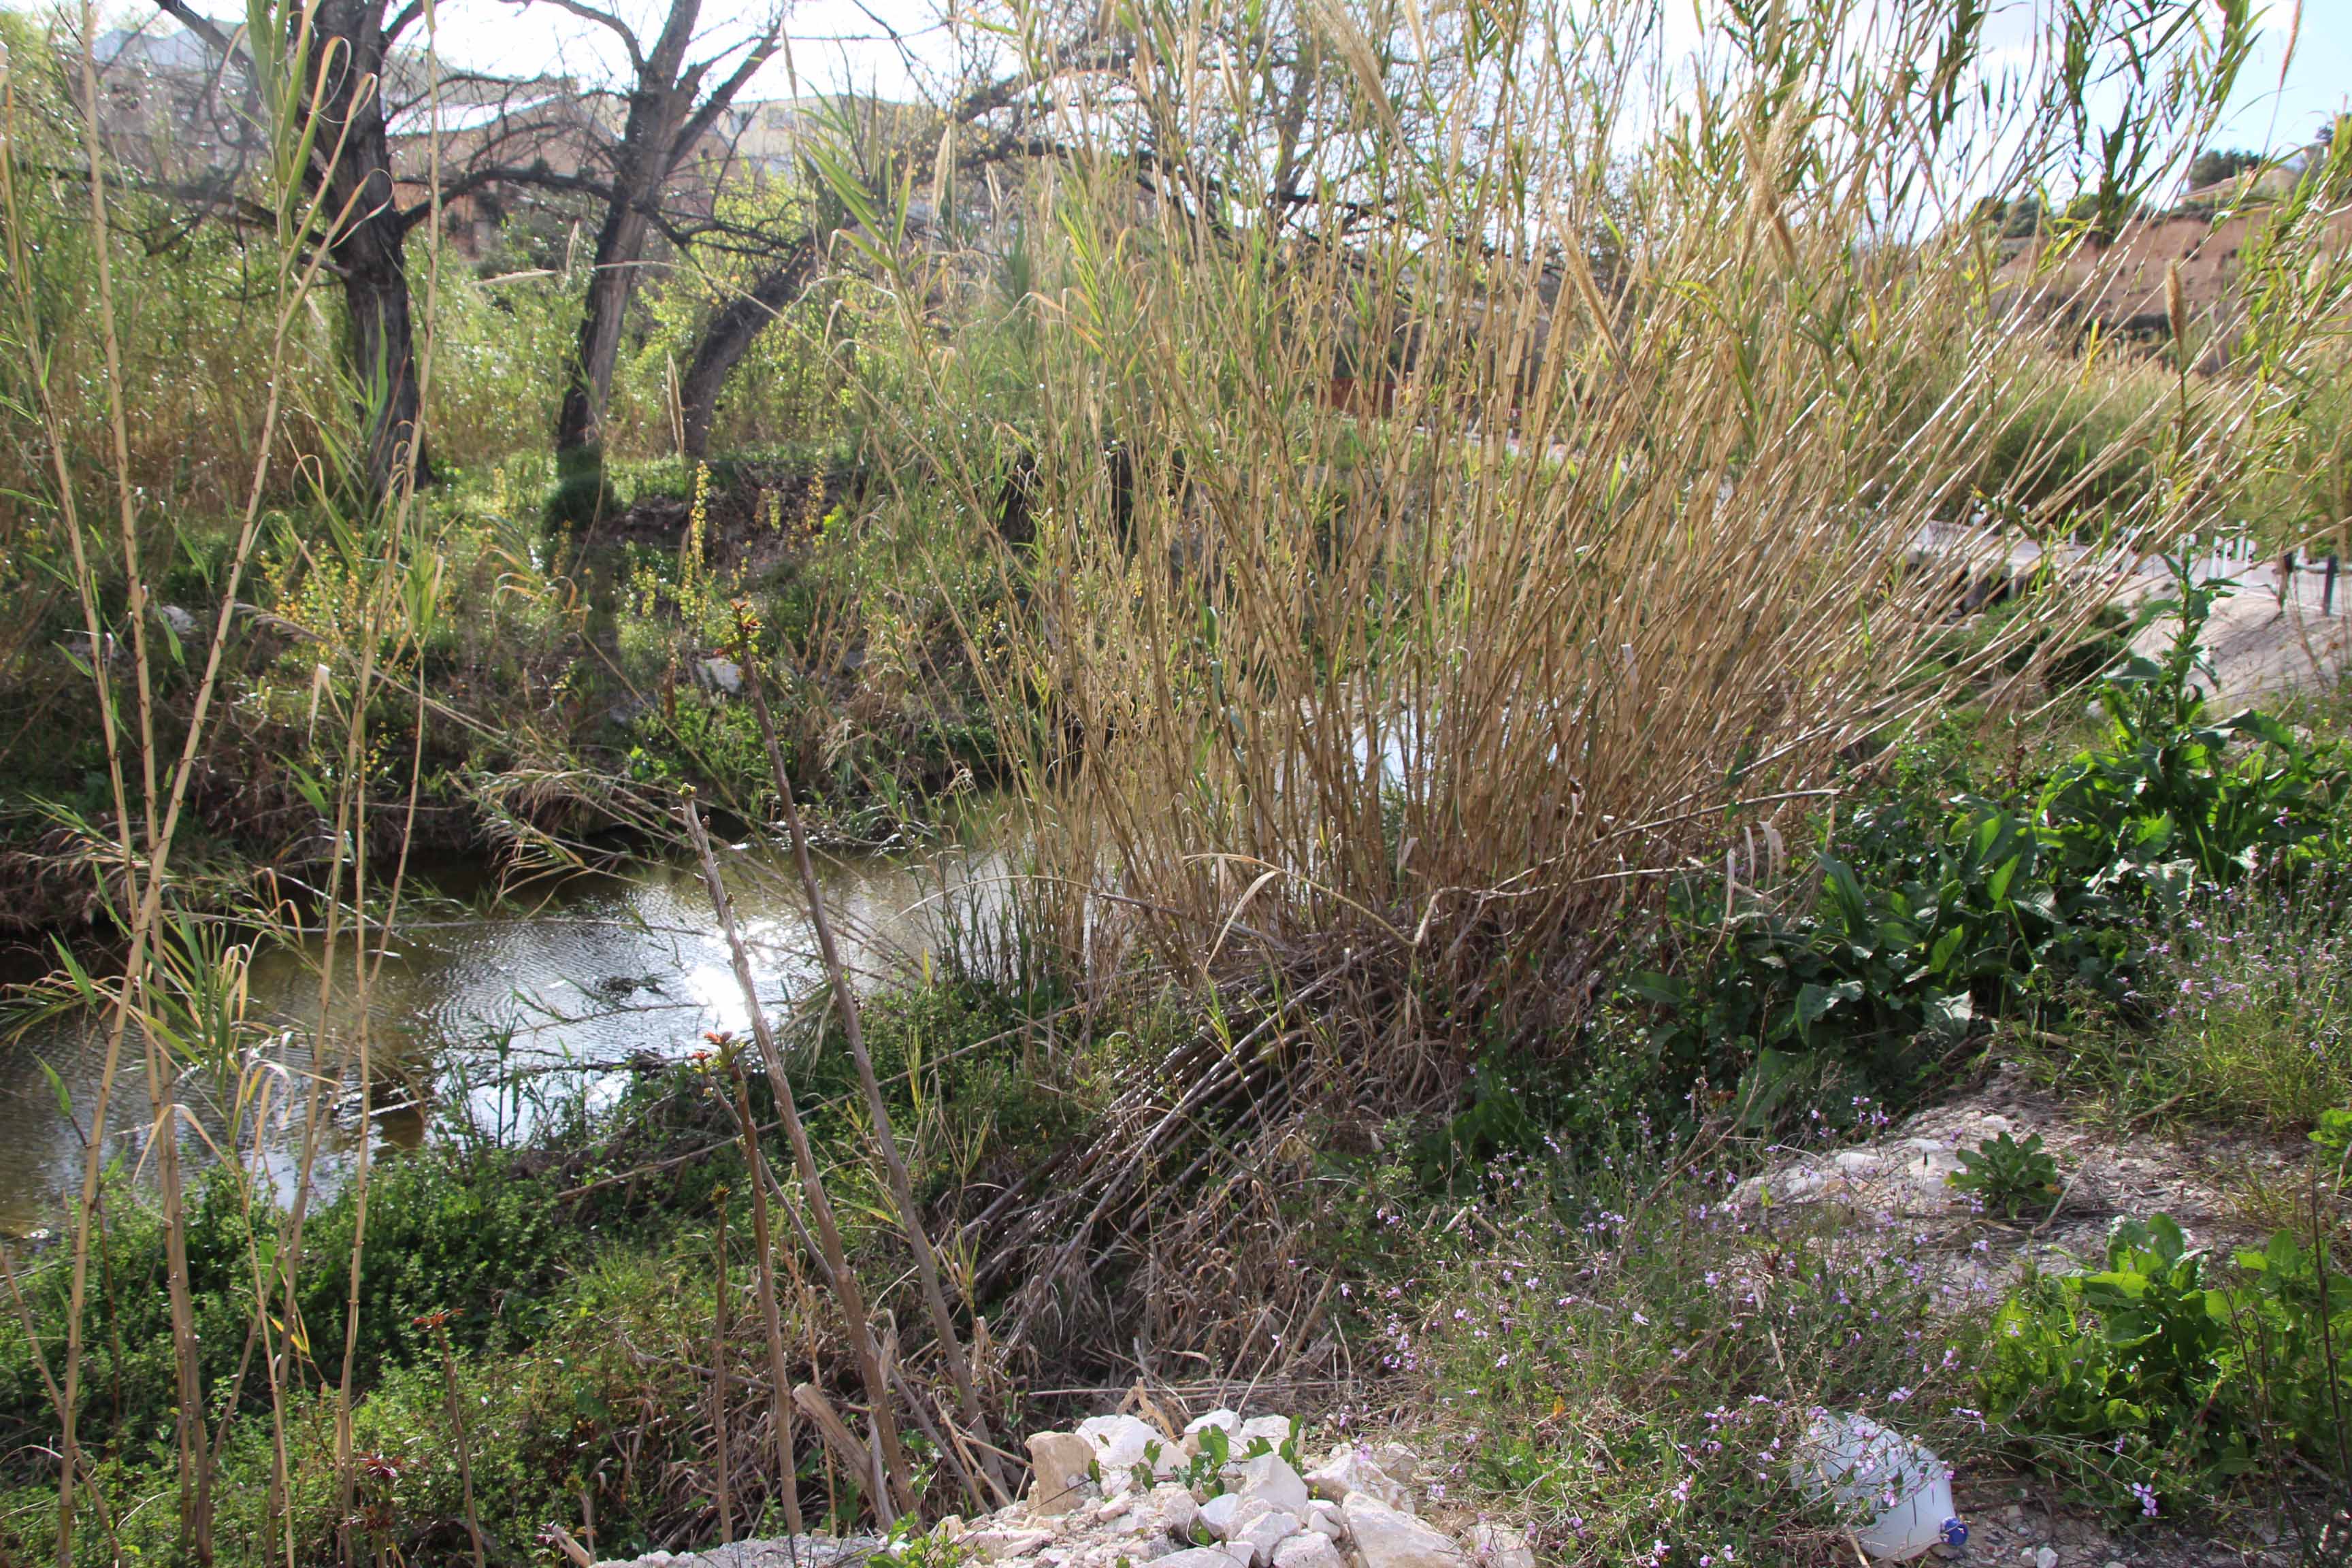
x=1549, y=1278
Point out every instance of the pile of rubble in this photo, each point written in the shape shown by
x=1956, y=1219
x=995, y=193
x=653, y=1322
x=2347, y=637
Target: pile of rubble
x=1223, y=1493
x=1119, y=1492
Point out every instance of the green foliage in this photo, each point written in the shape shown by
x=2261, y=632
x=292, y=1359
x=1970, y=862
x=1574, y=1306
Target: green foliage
x=1935, y=912
x=909, y=1545
x=2150, y=1380
x=1205, y=1471
x=2125, y=1380
x=2167, y=800
x=2008, y=1177
x=484, y=1247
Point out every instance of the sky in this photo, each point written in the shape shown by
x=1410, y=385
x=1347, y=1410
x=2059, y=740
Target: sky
x=838, y=43
x=847, y=42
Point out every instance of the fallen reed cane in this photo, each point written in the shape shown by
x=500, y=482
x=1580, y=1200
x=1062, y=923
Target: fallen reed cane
x=833, y=1255
x=902, y=1187
x=779, y=1412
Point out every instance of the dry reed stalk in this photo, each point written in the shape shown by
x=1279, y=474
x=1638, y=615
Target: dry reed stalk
x=145, y=876
x=724, y=1481
x=832, y=1256
x=763, y=1257
x=455, y=1405
x=902, y=1191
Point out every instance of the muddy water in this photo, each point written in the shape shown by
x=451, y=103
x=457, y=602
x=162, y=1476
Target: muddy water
x=486, y=1008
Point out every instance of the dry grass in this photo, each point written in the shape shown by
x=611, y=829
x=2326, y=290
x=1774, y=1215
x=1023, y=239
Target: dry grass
x=1523, y=511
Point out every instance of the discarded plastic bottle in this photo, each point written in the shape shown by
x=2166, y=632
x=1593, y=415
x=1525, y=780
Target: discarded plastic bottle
x=1861, y=1465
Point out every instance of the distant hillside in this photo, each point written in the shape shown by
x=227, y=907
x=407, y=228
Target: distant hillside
x=2120, y=286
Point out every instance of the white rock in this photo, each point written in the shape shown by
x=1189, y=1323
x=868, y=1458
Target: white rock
x=1386, y=1538
x=1199, y=1557
x=1229, y=1419
x=951, y=1527
x=1266, y=1531
x=2042, y=1557
x=1003, y=1545
x=1400, y=1462
x=1122, y=1442
x=1111, y=1508
x=720, y=675
x=182, y=625
x=1500, y=1546
x=1325, y=1517
x=1168, y=1508
x=1216, y=1515
x=1352, y=1470
x=1270, y=1477
x=1275, y=1429
x=1225, y=1421
x=1061, y=1462
x=1309, y=1551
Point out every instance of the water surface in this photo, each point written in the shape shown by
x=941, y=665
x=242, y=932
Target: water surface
x=489, y=1007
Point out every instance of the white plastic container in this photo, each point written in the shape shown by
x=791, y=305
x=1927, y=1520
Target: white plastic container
x=1868, y=1469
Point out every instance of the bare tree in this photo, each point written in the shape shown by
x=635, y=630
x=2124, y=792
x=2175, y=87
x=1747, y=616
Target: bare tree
x=990, y=121
x=674, y=103
x=351, y=161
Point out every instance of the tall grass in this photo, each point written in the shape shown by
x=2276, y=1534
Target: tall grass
x=1477, y=463
x=1400, y=481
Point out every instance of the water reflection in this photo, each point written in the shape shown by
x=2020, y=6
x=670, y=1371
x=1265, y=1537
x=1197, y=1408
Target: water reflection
x=490, y=1011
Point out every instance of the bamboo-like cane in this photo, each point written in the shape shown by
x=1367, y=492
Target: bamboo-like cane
x=836, y=1255
x=902, y=1187
x=780, y=1411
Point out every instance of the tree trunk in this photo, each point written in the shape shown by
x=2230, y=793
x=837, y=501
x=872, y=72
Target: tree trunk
x=366, y=244
x=382, y=347
x=729, y=335
x=620, y=244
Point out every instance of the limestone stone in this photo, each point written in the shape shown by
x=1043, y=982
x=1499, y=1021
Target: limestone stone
x=1202, y=1557
x=1171, y=1508
x=1061, y=1462
x=1264, y=1532
x=1385, y=1537
x=1230, y=1420
x=1400, y=1462
x=1352, y=1469
x=1324, y=1517
x=1122, y=1442
x=1275, y=1429
x=1310, y=1550
x=1226, y=1421
x=1251, y=1510
x=1500, y=1546
x=1004, y=1545
x=1269, y=1477
x=1216, y=1515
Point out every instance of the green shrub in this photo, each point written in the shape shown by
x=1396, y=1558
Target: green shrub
x=1935, y=913
x=2008, y=1177
x=2155, y=1379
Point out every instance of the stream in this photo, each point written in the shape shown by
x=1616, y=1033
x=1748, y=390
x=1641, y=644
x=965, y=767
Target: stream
x=486, y=1007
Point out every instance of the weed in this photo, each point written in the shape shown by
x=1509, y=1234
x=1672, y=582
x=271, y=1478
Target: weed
x=2008, y=1177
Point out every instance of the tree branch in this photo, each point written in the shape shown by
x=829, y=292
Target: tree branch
x=203, y=26
x=588, y=12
